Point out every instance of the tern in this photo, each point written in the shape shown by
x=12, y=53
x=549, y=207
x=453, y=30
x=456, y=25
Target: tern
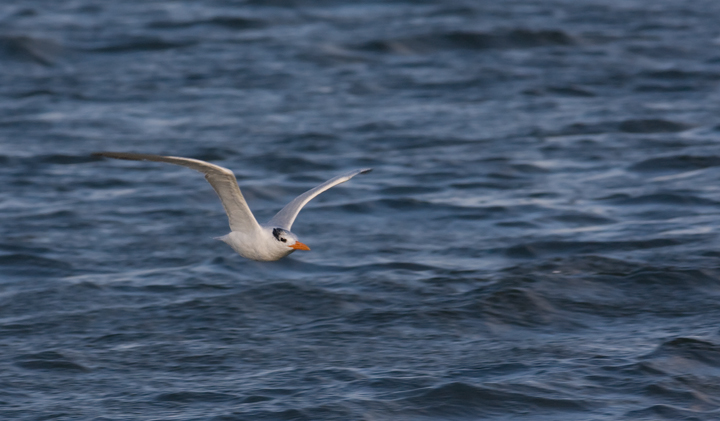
x=266, y=242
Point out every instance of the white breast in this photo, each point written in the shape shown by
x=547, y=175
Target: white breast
x=256, y=245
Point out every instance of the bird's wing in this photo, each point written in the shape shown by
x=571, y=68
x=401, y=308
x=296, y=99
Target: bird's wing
x=221, y=179
x=285, y=218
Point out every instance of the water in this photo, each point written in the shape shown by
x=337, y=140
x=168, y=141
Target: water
x=538, y=240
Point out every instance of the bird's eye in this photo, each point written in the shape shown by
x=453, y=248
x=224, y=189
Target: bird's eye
x=283, y=240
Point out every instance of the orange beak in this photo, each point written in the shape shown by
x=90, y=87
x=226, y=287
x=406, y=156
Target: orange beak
x=300, y=246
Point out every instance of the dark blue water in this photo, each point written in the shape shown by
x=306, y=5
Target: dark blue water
x=538, y=241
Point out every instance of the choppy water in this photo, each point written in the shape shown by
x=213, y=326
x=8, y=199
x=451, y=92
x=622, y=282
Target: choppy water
x=538, y=240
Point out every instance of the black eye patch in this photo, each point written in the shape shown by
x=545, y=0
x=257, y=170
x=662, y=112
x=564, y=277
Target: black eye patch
x=276, y=234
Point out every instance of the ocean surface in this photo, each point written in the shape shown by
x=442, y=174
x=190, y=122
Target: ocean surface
x=538, y=239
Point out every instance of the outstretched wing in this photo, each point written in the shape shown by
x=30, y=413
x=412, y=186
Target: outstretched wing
x=221, y=179
x=285, y=218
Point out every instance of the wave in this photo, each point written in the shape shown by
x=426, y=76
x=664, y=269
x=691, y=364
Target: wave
x=681, y=351
x=49, y=360
x=676, y=163
x=671, y=413
x=545, y=248
x=29, y=49
x=464, y=399
x=468, y=40
x=138, y=44
x=195, y=397
x=669, y=198
x=662, y=198
x=229, y=22
x=634, y=126
x=21, y=264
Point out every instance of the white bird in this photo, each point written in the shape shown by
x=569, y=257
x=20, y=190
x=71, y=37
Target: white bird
x=266, y=242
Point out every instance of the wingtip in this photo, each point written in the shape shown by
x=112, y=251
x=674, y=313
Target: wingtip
x=121, y=155
x=105, y=154
x=365, y=170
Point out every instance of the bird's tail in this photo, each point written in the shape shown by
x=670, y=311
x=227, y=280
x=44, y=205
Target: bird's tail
x=223, y=238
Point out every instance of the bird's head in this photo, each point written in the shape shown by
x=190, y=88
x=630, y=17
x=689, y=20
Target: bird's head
x=288, y=239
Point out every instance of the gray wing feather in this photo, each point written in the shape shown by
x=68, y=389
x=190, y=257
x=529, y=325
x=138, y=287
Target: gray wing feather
x=285, y=218
x=221, y=179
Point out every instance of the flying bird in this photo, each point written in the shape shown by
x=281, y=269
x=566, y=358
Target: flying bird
x=263, y=242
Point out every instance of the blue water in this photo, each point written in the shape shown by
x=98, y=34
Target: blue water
x=538, y=240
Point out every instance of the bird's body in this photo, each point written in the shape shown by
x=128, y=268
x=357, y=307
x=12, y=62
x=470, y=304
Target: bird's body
x=266, y=242
x=256, y=245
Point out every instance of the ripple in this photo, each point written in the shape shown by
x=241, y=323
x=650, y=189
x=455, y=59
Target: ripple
x=459, y=398
x=517, y=38
x=544, y=248
x=688, y=349
x=229, y=22
x=139, y=44
x=669, y=412
x=651, y=126
x=635, y=126
x=62, y=159
x=49, y=360
x=192, y=396
x=672, y=199
x=677, y=163
x=33, y=265
x=27, y=48
x=578, y=218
